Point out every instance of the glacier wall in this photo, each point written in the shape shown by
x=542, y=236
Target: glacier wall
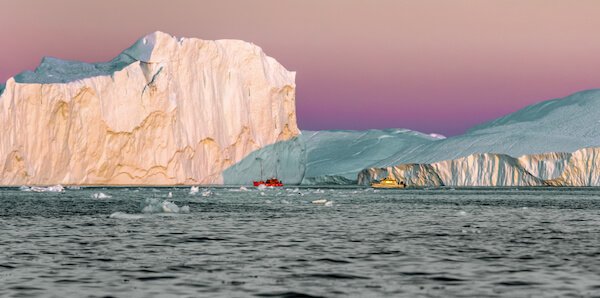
x=165, y=111
x=579, y=168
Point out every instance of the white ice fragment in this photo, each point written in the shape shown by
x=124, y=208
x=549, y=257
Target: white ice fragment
x=101, y=195
x=319, y=201
x=194, y=190
x=123, y=215
x=55, y=188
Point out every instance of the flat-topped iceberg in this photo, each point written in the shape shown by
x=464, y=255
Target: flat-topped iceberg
x=165, y=111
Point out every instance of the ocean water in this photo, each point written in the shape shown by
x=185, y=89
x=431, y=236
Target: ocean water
x=232, y=242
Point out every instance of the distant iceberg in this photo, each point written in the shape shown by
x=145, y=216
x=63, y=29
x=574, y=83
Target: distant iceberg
x=534, y=146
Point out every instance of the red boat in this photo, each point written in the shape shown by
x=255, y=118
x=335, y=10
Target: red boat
x=274, y=182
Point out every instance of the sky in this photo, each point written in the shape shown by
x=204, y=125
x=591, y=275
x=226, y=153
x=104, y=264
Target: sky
x=431, y=66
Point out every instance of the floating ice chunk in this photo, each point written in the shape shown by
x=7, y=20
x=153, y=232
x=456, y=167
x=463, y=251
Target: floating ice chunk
x=462, y=213
x=329, y=203
x=194, y=190
x=123, y=215
x=101, y=195
x=55, y=188
x=243, y=188
x=25, y=188
x=320, y=202
x=155, y=205
x=73, y=187
x=170, y=195
x=206, y=193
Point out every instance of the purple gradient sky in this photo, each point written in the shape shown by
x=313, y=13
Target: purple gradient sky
x=433, y=66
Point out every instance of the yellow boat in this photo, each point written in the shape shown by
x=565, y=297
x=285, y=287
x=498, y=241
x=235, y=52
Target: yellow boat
x=388, y=182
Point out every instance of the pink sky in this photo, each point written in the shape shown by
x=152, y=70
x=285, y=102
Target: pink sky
x=432, y=66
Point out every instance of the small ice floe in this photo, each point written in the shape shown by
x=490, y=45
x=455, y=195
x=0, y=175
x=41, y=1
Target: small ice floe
x=157, y=206
x=123, y=215
x=462, y=213
x=206, y=193
x=73, y=187
x=170, y=195
x=101, y=195
x=323, y=202
x=319, y=191
x=262, y=187
x=243, y=188
x=25, y=188
x=194, y=190
x=54, y=188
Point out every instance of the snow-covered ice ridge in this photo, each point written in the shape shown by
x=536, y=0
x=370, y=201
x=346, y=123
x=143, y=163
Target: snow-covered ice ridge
x=534, y=146
x=165, y=111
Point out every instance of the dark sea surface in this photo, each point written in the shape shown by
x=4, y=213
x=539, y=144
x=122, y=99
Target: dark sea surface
x=277, y=243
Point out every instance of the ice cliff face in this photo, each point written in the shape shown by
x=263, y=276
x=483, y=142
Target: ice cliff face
x=580, y=168
x=540, y=134
x=165, y=111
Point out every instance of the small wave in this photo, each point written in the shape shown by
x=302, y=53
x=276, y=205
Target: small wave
x=287, y=295
x=335, y=276
x=157, y=206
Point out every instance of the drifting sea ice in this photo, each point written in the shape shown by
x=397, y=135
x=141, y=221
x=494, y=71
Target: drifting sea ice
x=101, y=195
x=194, y=190
x=54, y=188
x=155, y=205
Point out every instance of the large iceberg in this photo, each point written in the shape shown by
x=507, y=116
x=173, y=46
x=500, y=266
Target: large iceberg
x=191, y=111
x=165, y=111
x=543, y=144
